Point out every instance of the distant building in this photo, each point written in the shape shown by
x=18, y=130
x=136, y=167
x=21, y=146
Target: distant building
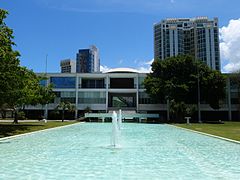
x=198, y=37
x=68, y=66
x=88, y=60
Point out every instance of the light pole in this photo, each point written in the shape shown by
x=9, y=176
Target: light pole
x=168, y=109
x=198, y=96
x=46, y=105
x=46, y=65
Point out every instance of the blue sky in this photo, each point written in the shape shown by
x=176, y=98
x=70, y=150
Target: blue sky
x=121, y=29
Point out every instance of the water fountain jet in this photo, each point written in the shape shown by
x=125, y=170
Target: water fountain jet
x=120, y=119
x=115, y=130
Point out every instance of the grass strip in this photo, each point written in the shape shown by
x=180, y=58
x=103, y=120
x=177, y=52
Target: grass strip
x=9, y=129
x=230, y=130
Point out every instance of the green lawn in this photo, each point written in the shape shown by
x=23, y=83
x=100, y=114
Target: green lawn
x=229, y=130
x=9, y=129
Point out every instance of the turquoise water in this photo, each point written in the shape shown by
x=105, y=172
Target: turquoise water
x=148, y=151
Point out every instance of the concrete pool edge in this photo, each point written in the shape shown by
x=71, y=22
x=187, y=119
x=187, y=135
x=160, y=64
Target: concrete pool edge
x=194, y=131
x=24, y=134
x=206, y=134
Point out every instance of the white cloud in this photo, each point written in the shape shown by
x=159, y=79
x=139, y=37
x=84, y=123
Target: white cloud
x=230, y=46
x=149, y=62
x=104, y=68
x=145, y=67
x=231, y=67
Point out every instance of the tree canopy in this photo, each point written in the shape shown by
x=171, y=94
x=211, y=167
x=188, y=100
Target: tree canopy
x=176, y=78
x=19, y=86
x=10, y=77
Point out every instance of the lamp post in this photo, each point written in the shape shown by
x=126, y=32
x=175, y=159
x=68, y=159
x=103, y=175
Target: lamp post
x=46, y=105
x=198, y=96
x=168, y=109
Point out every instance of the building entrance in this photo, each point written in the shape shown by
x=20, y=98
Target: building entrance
x=122, y=100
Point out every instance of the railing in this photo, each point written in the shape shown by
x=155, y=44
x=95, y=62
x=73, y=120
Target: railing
x=130, y=87
x=124, y=116
x=91, y=87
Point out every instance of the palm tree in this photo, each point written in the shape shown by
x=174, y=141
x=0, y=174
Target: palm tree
x=65, y=106
x=180, y=109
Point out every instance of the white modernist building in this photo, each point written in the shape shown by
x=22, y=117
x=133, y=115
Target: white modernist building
x=119, y=88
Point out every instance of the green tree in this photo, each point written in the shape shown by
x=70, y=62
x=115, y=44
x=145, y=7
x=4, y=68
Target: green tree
x=180, y=109
x=235, y=85
x=10, y=74
x=176, y=78
x=27, y=93
x=65, y=106
x=18, y=85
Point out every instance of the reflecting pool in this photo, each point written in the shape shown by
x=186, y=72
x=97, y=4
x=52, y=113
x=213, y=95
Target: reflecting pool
x=146, y=151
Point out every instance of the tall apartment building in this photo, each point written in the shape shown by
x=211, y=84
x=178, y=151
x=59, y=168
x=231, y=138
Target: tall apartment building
x=198, y=37
x=68, y=66
x=88, y=60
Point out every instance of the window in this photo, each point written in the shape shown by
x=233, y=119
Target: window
x=93, y=83
x=65, y=96
x=43, y=82
x=145, y=99
x=121, y=83
x=63, y=82
x=140, y=82
x=91, y=97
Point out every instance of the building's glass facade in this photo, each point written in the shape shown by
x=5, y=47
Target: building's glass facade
x=63, y=82
x=65, y=96
x=91, y=97
x=121, y=100
x=144, y=98
x=92, y=83
x=68, y=96
x=140, y=82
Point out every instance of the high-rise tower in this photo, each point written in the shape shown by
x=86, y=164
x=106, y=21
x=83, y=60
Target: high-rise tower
x=88, y=60
x=198, y=37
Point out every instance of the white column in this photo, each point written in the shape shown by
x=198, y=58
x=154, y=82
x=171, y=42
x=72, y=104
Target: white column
x=106, y=89
x=46, y=106
x=137, y=96
x=168, y=110
x=76, y=104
